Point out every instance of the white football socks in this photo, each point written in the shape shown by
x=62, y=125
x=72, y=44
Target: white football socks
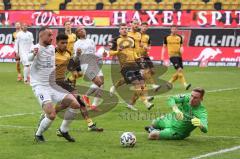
x=25, y=73
x=96, y=101
x=69, y=116
x=44, y=125
x=93, y=88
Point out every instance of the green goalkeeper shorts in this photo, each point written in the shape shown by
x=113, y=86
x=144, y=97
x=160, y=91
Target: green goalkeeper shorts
x=170, y=134
x=164, y=124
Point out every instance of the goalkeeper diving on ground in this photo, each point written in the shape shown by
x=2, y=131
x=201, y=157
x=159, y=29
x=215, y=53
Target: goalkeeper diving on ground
x=188, y=114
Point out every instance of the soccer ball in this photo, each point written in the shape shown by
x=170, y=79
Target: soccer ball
x=128, y=139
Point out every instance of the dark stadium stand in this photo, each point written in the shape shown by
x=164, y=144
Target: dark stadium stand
x=119, y=4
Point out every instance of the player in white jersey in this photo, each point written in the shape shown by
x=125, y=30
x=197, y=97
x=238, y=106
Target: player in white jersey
x=46, y=90
x=22, y=46
x=85, y=50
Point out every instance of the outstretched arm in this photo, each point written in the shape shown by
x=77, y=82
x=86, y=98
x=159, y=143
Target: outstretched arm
x=201, y=121
x=173, y=101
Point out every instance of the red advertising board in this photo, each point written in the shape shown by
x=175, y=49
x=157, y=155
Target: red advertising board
x=221, y=54
x=201, y=45
x=113, y=18
x=225, y=54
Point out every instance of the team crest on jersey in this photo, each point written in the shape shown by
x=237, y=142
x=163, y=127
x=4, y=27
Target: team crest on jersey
x=128, y=43
x=41, y=97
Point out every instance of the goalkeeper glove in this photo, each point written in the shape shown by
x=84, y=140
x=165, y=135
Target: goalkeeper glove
x=179, y=114
x=196, y=122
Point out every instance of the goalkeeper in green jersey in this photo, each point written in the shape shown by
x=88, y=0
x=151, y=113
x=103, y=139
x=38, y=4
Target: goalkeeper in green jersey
x=188, y=114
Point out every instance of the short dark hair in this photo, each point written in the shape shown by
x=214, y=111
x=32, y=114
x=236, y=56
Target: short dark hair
x=199, y=90
x=61, y=36
x=122, y=24
x=42, y=29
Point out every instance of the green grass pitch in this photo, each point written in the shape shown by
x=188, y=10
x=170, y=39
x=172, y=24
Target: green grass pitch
x=17, y=130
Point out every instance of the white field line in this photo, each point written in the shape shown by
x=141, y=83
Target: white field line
x=224, y=89
x=218, y=152
x=210, y=91
x=18, y=114
x=17, y=126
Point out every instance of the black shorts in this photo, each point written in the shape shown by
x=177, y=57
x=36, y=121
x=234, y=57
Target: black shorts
x=65, y=85
x=131, y=73
x=147, y=62
x=177, y=62
x=78, y=68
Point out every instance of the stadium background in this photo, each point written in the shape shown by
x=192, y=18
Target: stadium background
x=19, y=110
x=200, y=23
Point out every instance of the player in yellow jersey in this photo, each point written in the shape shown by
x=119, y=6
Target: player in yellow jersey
x=141, y=49
x=62, y=58
x=173, y=43
x=71, y=40
x=71, y=36
x=136, y=35
x=124, y=49
x=121, y=81
x=17, y=57
x=146, y=62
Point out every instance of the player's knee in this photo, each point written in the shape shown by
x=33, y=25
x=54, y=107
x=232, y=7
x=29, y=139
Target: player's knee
x=52, y=116
x=75, y=104
x=180, y=70
x=75, y=93
x=99, y=83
